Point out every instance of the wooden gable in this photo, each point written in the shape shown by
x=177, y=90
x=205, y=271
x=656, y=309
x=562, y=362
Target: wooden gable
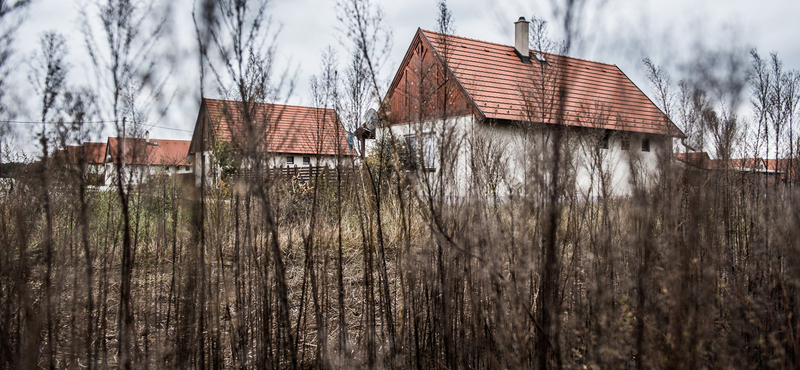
x=425, y=88
x=203, y=135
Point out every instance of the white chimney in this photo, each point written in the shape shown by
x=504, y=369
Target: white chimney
x=147, y=136
x=521, y=39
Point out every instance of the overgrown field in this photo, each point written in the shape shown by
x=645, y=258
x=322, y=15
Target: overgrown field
x=373, y=272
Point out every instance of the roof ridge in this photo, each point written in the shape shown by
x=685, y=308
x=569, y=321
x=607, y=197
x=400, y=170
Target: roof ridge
x=512, y=46
x=278, y=104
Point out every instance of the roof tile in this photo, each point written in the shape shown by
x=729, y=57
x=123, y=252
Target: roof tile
x=154, y=152
x=286, y=128
x=594, y=94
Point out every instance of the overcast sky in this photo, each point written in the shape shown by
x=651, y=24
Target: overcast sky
x=619, y=32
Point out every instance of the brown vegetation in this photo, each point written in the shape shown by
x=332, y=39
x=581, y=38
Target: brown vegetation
x=383, y=264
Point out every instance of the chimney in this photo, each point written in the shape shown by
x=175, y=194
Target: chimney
x=147, y=137
x=521, y=39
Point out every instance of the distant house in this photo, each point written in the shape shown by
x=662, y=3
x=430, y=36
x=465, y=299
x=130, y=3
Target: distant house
x=772, y=171
x=143, y=158
x=503, y=101
x=282, y=136
x=789, y=168
x=91, y=154
x=698, y=160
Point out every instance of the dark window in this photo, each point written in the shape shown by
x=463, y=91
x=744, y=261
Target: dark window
x=410, y=153
x=289, y=160
x=306, y=160
x=625, y=144
x=426, y=157
x=603, y=144
x=646, y=145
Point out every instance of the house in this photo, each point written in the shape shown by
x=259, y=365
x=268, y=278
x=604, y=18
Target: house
x=696, y=160
x=755, y=170
x=91, y=154
x=286, y=137
x=143, y=158
x=789, y=168
x=503, y=102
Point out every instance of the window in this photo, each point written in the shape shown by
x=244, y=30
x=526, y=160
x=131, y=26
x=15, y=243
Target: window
x=413, y=156
x=603, y=143
x=410, y=153
x=429, y=154
x=625, y=143
x=306, y=160
x=290, y=160
x=646, y=144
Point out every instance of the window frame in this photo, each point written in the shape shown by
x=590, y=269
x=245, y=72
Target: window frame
x=410, y=142
x=427, y=162
x=605, y=141
x=625, y=142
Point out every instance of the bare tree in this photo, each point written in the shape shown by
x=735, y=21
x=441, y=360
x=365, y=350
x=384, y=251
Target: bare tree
x=363, y=27
x=233, y=39
x=126, y=73
x=12, y=14
x=49, y=79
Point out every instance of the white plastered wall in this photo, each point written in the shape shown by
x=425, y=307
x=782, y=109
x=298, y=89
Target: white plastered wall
x=498, y=159
x=273, y=161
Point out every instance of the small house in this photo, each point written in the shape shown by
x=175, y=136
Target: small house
x=230, y=135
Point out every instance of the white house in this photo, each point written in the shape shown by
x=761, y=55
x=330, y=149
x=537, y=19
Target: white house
x=287, y=137
x=143, y=158
x=488, y=113
x=92, y=154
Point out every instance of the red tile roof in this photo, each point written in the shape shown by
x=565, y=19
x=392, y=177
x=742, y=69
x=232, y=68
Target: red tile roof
x=74, y=153
x=696, y=159
x=757, y=164
x=782, y=166
x=789, y=168
x=596, y=95
x=155, y=152
x=93, y=153
x=284, y=128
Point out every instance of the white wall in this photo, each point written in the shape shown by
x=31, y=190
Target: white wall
x=135, y=174
x=502, y=158
x=273, y=161
x=282, y=160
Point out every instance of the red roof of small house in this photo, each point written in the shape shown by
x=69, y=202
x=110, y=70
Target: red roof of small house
x=696, y=159
x=279, y=128
x=786, y=165
x=757, y=164
x=703, y=161
x=152, y=152
x=92, y=153
x=73, y=153
x=503, y=87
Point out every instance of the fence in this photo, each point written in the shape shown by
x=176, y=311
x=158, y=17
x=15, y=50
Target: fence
x=298, y=173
